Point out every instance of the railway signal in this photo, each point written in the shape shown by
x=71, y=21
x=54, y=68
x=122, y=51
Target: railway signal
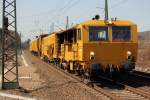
x=9, y=57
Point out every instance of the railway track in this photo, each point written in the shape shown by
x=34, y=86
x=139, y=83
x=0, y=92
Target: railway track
x=140, y=80
x=141, y=74
x=128, y=92
x=105, y=94
x=99, y=92
x=132, y=93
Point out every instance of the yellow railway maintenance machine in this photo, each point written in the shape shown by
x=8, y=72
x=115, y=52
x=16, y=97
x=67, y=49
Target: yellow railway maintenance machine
x=99, y=46
x=93, y=47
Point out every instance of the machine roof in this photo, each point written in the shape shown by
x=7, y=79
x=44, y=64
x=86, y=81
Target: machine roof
x=103, y=23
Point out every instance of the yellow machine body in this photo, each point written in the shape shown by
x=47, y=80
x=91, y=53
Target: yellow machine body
x=34, y=45
x=107, y=43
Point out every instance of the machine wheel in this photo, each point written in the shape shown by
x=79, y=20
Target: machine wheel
x=87, y=78
x=78, y=69
x=71, y=67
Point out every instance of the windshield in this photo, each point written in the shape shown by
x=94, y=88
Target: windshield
x=121, y=33
x=97, y=33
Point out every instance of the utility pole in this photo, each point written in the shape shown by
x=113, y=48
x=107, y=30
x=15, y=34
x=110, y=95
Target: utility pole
x=67, y=24
x=106, y=10
x=20, y=44
x=52, y=27
x=9, y=46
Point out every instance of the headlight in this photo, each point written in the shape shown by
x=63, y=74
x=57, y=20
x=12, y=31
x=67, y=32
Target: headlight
x=110, y=22
x=92, y=55
x=129, y=53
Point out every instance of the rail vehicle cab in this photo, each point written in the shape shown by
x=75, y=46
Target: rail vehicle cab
x=109, y=46
x=99, y=45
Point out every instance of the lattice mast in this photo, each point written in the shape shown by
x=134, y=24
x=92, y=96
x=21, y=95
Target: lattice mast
x=9, y=46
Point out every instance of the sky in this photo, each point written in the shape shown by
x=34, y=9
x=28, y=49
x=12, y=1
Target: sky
x=43, y=16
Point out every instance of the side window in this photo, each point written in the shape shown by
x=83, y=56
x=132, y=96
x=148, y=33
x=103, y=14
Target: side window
x=79, y=34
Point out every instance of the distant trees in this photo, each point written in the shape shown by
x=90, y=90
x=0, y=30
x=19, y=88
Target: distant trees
x=26, y=44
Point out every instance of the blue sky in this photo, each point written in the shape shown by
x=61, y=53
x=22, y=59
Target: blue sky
x=37, y=16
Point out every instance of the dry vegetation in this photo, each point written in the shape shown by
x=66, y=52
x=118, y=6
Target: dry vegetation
x=10, y=37
x=144, y=50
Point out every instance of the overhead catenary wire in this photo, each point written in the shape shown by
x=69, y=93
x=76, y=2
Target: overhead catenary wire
x=69, y=4
x=60, y=12
x=118, y=4
x=64, y=9
x=55, y=15
x=72, y=5
x=52, y=11
x=106, y=8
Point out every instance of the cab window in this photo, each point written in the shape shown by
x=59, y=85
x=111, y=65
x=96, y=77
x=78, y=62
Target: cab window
x=97, y=33
x=121, y=33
